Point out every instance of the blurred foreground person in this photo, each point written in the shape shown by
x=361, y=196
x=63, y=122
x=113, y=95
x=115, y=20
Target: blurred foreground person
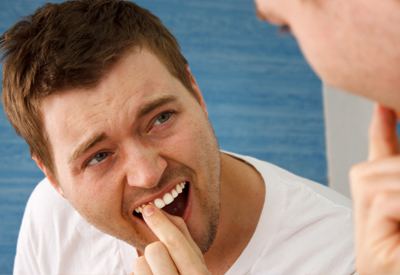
x=354, y=45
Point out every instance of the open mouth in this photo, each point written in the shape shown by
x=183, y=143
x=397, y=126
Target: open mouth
x=173, y=202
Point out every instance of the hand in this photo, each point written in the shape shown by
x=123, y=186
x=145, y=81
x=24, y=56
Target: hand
x=175, y=253
x=375, y=188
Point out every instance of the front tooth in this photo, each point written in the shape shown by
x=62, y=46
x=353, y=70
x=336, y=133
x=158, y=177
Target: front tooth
x=178, y=189
x=168, y=198
x=174, y=193
x=159, y=203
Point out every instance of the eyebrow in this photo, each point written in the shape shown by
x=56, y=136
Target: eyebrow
x=86, y=145
x=155, y=104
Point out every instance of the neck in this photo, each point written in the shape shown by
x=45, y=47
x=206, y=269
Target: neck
x=242, y=200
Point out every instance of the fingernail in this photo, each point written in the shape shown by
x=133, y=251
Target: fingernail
x=148, y=210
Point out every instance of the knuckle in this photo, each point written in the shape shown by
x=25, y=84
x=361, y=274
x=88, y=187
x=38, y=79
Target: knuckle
x=138, y=263
x=174, y=241
x=362, y=184
x=154, y=248
x=382, y=199
x=356, y=172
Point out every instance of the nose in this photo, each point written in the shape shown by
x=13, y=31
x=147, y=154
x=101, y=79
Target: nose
x=144, y=167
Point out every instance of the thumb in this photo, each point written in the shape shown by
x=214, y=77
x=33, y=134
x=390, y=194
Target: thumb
x=383, y=140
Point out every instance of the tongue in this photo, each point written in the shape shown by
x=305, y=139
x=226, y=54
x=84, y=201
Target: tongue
x=177, y=207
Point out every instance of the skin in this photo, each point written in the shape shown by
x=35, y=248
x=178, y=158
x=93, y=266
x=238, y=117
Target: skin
x=139, y=157
x=351, y=45
x=355, y=46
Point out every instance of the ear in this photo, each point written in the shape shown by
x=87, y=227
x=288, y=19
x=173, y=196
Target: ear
x=197, y=91
x=49, y=176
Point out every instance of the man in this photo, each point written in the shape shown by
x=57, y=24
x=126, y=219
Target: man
x=355, y=46
x=112, y=115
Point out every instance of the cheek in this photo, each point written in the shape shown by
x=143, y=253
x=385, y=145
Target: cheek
x=190, y=144
x=318, y=49
x=95, y=197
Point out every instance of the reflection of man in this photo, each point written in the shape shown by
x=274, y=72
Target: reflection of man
x=112, y=115
x=355, y=46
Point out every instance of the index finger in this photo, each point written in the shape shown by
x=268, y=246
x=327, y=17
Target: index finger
x=179, y=248
x=383, y=140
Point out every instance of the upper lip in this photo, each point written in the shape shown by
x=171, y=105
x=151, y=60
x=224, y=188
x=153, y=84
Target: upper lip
x=158, y=194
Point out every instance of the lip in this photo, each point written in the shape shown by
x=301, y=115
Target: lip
x=157, y=195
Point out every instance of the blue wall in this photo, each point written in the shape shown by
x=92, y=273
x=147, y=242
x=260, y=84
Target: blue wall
x=263, y=99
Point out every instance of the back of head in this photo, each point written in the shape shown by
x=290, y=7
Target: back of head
x=73, y=45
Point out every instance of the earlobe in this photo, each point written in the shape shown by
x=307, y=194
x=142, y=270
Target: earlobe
x=51, y=179
x=197, y=91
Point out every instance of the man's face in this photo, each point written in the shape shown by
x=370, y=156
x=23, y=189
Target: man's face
x=349, y=44
x=131, y=140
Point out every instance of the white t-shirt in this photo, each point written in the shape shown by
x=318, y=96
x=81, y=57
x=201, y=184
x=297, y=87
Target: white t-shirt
x=305, y=228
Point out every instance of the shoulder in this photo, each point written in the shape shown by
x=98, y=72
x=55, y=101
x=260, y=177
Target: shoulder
x=275, y=176
x=304, y=224
x=55, y=239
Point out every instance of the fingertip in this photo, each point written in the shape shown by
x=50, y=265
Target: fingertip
x=148, y=210
x=383, y=141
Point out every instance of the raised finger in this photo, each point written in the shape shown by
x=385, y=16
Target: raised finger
x=180, y=250
x=383, y=140
x=180, y=224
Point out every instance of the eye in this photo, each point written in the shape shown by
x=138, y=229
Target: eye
x=97, y=158
x=162, y=118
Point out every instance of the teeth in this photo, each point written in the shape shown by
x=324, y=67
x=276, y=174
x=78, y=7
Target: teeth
x=167, y=198
x=159, y=203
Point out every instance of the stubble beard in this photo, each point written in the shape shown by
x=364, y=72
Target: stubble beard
x=209, y=200
x=208, y=195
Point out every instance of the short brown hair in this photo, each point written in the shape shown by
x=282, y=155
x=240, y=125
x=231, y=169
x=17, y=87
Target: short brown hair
x=71, y=45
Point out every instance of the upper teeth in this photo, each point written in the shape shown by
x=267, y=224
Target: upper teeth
x=166, y=199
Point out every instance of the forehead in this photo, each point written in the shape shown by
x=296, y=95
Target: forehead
x=137, y=78
x=137, y=72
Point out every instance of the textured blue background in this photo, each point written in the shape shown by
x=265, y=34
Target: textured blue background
x=263, y=99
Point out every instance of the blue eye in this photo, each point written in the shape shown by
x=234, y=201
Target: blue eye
x=98, y=158
x=162, y=118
